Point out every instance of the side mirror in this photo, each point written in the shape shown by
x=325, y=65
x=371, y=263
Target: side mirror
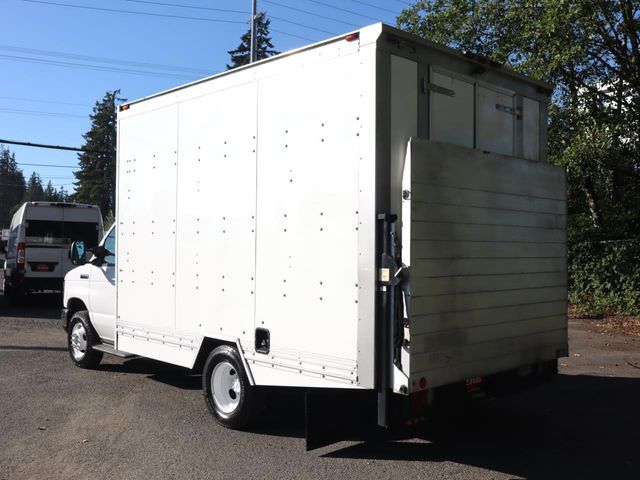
x=78, y=253
x=99, y=254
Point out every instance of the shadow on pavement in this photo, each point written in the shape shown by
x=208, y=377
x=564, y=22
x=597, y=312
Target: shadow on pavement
x=34, y=305
x=158, y=371
x=33, y=348
x=578, y=427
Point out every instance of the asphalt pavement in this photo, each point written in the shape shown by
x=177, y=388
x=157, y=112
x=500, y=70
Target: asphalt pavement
x=138, y=418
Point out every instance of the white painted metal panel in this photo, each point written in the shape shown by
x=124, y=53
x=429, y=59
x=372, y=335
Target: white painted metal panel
x=216, y=214
x=451, y=111
x=531, y=128
x=308, y=201
x=495, y=120
x=367, y=108
x=286, y=184
x=146, y=230
x=488, y=262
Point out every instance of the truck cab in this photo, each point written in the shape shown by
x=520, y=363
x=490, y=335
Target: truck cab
x=90, y=287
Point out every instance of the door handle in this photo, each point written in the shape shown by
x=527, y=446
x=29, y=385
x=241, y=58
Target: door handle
x=84, y=276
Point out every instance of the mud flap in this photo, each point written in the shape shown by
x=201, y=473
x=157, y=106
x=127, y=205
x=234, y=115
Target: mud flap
x=336, y=415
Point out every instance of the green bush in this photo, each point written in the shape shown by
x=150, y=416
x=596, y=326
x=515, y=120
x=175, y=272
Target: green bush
x=604, y=277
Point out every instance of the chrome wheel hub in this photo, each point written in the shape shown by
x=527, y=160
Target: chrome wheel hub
x=78, y=341
x=226, y=387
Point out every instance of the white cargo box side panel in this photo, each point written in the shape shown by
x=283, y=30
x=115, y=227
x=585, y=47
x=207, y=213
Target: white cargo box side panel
x=488, y=262
x=146, y=235
x=310, y=122
x=215, y=254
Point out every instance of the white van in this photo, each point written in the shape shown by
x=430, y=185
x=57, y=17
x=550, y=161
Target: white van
x=37, y=254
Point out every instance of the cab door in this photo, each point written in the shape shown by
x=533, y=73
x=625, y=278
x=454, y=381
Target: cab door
x=102, y=291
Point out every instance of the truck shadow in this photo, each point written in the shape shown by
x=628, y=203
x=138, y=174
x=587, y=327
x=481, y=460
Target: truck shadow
x=577, y=427
x=46, y=305
x=166, y=373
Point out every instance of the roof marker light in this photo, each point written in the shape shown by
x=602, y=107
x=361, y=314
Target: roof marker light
x=352, y=37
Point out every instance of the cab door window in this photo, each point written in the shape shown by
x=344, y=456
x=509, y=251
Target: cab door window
x=110, y=244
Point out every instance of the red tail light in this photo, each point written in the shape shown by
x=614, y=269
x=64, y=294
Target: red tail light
x=20, y=256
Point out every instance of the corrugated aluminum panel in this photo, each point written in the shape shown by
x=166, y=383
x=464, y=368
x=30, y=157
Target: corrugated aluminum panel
x=488, y=262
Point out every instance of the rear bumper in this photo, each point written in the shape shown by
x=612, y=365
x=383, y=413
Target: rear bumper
x=26, y=284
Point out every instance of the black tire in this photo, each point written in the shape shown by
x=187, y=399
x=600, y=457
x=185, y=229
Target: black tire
x=249, y=403
x=16, y=296
x=79, y=348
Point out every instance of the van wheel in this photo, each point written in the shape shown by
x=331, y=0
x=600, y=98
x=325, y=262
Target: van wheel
x=229, y=397
x=15, y=295
x=80, y=338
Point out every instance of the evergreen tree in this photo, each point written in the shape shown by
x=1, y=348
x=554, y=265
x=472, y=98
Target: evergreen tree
x=12, y=186
x=96, y=179
x=242, y=54
x=50, y=193
x=35, y=190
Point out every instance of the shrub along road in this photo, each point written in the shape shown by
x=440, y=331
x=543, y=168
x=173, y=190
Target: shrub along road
x=139, y=418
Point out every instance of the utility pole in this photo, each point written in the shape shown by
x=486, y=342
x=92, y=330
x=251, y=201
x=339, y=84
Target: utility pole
x=254, y=48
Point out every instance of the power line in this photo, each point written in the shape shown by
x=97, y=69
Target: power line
x=302, y=25
x=59, y=178
x=26, y=184
x=100, y=68
x=374, y=6
x=18, y=111
x=309, y=13
x=182, y=17
x=47, y=145
x=194, y=7
x=33, y=100
x=177, y=5
x=301, y=37
x=319, y=3
x=133, y=12
x=46, y=165
x=114, y=61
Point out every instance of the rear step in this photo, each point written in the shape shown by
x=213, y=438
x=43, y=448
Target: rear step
x=102, y=347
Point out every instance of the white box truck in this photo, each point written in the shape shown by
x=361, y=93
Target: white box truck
x=371, y=213
x=38, y=243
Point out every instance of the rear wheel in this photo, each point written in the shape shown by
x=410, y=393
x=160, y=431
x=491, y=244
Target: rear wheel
x=16, y=296
x=80, y=338
x=230, y=398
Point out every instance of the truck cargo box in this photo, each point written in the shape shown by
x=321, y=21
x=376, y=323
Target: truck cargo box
x=250, y=204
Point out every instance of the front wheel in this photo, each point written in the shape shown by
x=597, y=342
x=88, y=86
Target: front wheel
x=228, y=395
x=80, y=338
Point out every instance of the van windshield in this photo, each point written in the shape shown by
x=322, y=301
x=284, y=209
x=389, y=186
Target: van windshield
x=47, y=232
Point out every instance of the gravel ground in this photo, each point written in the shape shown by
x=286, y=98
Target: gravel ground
x=139, y=418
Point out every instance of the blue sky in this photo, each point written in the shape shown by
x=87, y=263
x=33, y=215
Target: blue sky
x=56, y=60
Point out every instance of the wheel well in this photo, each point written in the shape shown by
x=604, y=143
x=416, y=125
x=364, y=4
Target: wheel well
x=208, y=345
x=75, y=305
